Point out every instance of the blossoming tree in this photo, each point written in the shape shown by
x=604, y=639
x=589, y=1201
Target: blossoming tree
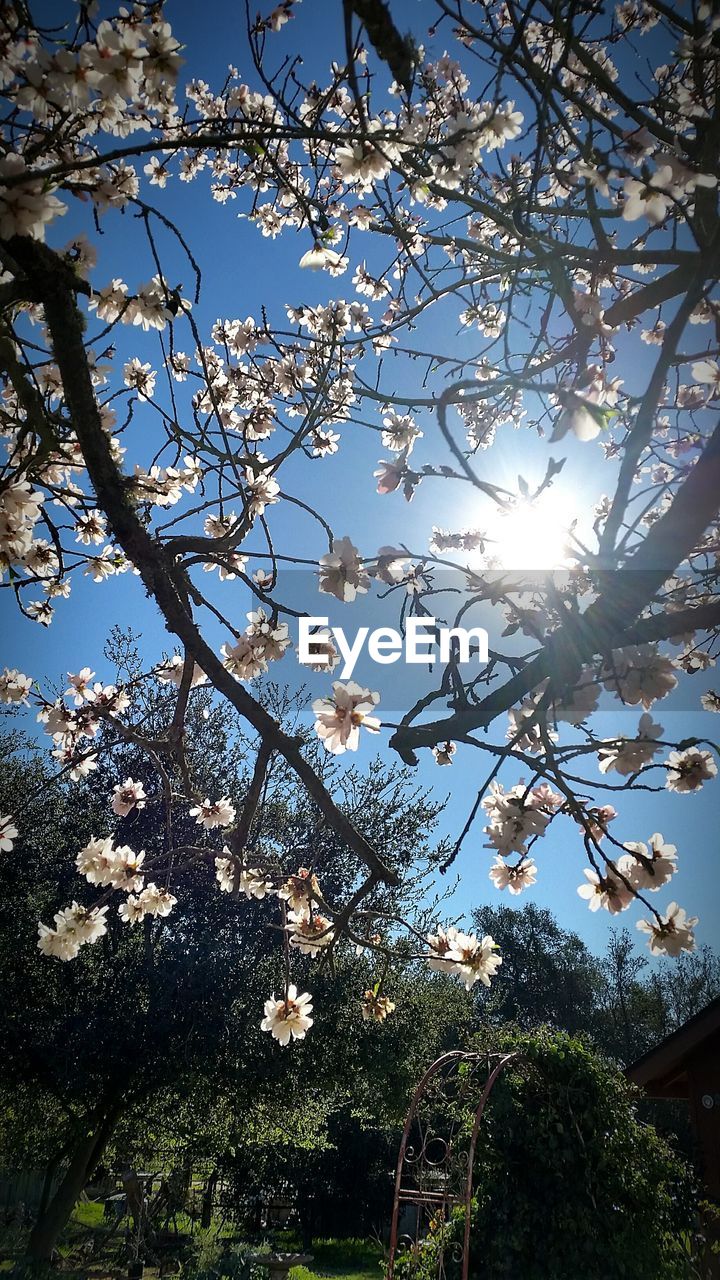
x=527, y=186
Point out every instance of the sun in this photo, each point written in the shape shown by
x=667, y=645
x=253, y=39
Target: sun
x=531, y=534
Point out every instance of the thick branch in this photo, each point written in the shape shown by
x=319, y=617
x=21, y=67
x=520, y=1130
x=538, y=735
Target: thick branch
x=165, y=581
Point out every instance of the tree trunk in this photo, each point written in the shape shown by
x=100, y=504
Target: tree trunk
x=207, y=1201
x=53, y=1218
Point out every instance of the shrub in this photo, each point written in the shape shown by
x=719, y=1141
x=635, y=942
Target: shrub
x=567, y=1181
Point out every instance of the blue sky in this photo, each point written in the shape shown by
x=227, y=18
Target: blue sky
x=242, y=272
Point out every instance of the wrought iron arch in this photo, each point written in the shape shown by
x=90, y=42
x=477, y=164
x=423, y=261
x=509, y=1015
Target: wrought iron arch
x=434, y=1171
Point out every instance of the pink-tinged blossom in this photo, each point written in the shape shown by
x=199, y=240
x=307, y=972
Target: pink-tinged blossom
x=153, y=901
x=640, y=675
x=254, y=883
x=342, y=573
x=15, y=687
x=300, y=890
x=105, y=864
x=248, y=880
x=391, y=473
x=440, y=944
x=513, y=819
x=26, y=208
x=629, y=755
x=672, y=934
x=361, y=165
x=400, y=432
x=246, y=660
x=338, y=719
x=131, y=910
x=128, y=795
x=392, y=566
x=77, y=765
x=655, y=866
x=606, y=891
x=503, y=124
x=688, y=770
x=271, y=639
x=514, y=878
x=171, y=672
x=325, y=656
x=309, y=931
x=109, y=301
x=598, y=819
x=262, y=489
x=157, y=901
x=81, y=687
x=289, y=1018
x=580, y=703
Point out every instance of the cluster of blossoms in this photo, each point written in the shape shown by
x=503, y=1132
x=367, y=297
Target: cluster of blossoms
x=112, y=866
x=153, y=900
x=117, y=83
x=68, y=727
x=263, y=641
x=344, y=574
x=164, y=486
x=376, y=1007
x=464, y=955
x=104, y=863
x=309, y=931
x=20, y=510
x=15, y=687
x=251, y=881
x=75, y=926
x=518, y=815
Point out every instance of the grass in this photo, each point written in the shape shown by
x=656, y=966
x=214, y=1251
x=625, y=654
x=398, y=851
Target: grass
x=333, y=1259
x=345, y=1259
x=89, y=1213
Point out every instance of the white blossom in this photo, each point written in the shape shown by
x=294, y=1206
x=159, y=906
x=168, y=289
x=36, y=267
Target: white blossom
x=658, y=868
x=288, y=1018
x=672, y=934
x=606, y=890
x=8, y=833
x=213, y=813
x=338, y=719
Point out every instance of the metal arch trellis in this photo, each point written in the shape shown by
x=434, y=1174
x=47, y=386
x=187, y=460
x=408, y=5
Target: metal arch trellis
x=435, y=1163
